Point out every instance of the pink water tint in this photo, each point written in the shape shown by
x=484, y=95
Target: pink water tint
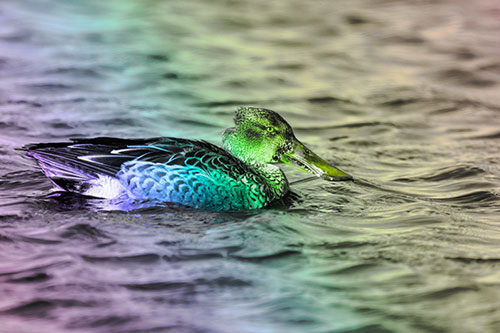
x=401, y=93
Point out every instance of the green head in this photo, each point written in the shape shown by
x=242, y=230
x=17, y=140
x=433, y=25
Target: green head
x=262, y=136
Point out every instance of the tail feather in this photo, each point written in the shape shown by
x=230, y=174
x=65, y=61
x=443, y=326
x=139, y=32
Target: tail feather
x=71, y=168
x=60, y=172
x=80, y=164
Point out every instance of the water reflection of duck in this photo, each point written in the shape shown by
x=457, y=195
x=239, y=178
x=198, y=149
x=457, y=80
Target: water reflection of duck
x=190, y=172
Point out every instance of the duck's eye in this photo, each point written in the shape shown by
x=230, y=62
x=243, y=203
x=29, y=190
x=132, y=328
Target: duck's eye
x=270, y=129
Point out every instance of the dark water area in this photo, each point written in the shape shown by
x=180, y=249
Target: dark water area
x=403, y=95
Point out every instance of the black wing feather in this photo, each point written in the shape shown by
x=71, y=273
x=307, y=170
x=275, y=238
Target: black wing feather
x=105, y=155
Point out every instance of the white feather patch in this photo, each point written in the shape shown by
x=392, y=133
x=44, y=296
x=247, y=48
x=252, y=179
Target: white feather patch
x=105, y=187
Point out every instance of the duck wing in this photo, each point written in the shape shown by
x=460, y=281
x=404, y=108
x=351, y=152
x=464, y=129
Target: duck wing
x=84, y=159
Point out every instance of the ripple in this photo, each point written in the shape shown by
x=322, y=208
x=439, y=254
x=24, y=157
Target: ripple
x=326, y=99
x=48, y=87
x=355, y=19
x=156, y=286
x=266, y=257
x=364, y=124
x=147, y=258
x=400, y=101
x=42, y=307
x=220, y=282
x=288, y=66
x=4, y=238
x=476, y=260
x=197, y=123
x=22, y=102
x=495, y=135
x=11, y=126
x=445, y=292
x=452, y=172
x=365, y=328
x=344, y=245
x=75, y=72
x=477, y=198
x=83, y=231
x=115, y=121
x=355, y=269
x=170, y=76
x=227, y=103
x=405, y=39
x=100, y=321
x=7, y=270
x=465, y=78
x=60, y=125
x=159, y=57
x=17, y=37
x=30, y=278
x=35, y=240
x=195, y=255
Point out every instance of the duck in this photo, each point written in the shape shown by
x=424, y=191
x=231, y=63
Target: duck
x=241, y=175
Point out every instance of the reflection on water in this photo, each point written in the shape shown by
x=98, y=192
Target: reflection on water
x=402, y=94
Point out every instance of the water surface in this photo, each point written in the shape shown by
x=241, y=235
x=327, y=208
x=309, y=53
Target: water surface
x=403, y=95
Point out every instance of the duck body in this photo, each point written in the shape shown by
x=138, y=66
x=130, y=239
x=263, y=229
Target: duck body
x=189, y=172
x=242, y=175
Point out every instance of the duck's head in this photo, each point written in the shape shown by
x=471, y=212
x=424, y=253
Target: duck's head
x=263, y=136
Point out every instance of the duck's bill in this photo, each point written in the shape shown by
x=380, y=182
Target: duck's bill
x=305, y=159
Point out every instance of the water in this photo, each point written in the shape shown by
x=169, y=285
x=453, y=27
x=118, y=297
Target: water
x=403, y=95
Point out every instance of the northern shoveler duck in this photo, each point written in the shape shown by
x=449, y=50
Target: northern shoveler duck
x=194, y=173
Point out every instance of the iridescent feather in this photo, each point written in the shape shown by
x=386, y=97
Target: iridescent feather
x=194, y=173
x=190, y=172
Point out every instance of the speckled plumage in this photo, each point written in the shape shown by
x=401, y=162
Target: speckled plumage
x=195, y=173
x=190, y=172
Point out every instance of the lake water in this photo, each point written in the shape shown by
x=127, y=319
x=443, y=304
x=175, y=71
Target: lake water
x=403, y=95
